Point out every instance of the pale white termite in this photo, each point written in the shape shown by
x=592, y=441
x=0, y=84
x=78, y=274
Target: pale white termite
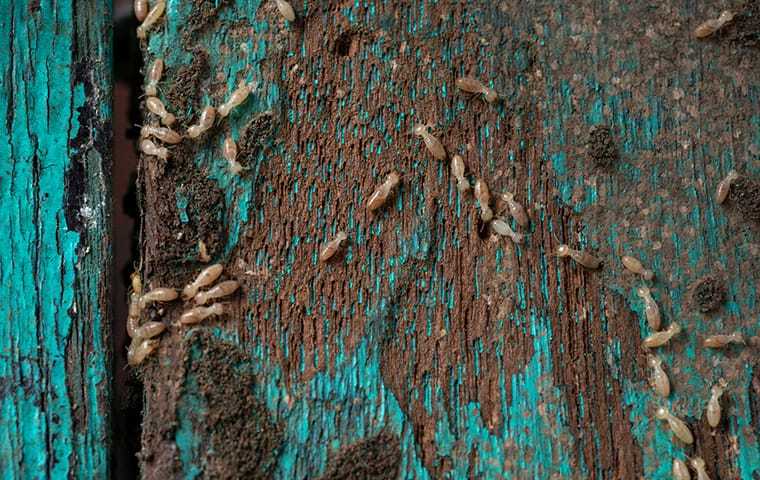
x=721, y=193
x=659, y=339
x=229, y=151
x=473, y=85
x=711, y=26
x=434, y=146
x=141, y=9
x=223, y=289
x=457, y=170
x=698, y=464
x=205, y=121
x=634, y=265
x=198, y=314
x=238, y=96
x=720, y=341
x=483, y=196
x=677, y=426
x=155, y=71
x=286, y=10
x=153, y=16
x=140, y=349
x=133, y=315
x=713, y=405
x=579, y=256
x=149, y=148
x=158, y=295
x=150, y=330
x=502, y=228
x=332, y=247
x=651, y=310
x=165, y=134
x=203, y=255
x=383, y=192
x=156, y=106
x=660, y=381
x=515, y=209
x=680, y=470
x=206, y=277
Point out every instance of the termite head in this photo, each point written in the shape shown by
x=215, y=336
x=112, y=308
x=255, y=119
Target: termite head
x=421, y=129
x=643, y=291
x=563, y=251
x=662, y=413
x=136, y=283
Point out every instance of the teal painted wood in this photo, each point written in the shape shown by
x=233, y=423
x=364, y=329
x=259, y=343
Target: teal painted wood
x=55, y=143
x=554, y=385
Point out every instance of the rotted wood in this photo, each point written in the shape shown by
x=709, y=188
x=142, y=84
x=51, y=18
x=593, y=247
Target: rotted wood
x=429, y=347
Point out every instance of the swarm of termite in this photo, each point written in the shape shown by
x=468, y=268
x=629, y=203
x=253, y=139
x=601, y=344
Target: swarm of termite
x=144, y=341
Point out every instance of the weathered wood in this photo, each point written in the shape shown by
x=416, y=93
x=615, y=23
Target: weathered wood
x=484, y=360
x=55, y=144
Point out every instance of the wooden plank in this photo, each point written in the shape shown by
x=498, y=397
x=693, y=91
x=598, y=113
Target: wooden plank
x=427, y=348
x=54, y=213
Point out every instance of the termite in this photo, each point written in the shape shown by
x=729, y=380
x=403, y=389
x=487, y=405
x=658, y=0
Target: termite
x=721, y=193
x=383, y=192
x=140, y=349
x=158, y=295
x=720, y=341
x=651, y=310
x=238, y=96
x=149, y=148
x=203, y=255
x=483, y=195
x=457, y=170
x=677, y=426
x=634, y=265
x=153, y=16
x=156, y=106
x=155, y=71
x=472, y=85
x=659, y=339
x=434, y=146
x=165, y=134
x=141, y=9
x=698, y=464
x=332, y=247
x=515, y=209
x=206, y=277
x=133, y=315
x=219, y=290
x=713, y=405
x=711, y=26
x=150, y=330
x=229, y=151
x=579, y=256
x=502, y=228
x=660, y=380
x=205, y=121
x=680, y=470
x=286, y=10
x=198, y=314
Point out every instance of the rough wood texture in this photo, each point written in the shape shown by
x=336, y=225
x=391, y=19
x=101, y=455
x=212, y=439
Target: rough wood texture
x=483, y=360
x=55, y=94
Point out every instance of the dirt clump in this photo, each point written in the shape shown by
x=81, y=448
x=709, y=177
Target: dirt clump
x=600, y=146
x=708, y=293
x=374, y=458
x=255, y=137
x=184, y=93
x=744, y=195
x=744, y=31
x=203, y=14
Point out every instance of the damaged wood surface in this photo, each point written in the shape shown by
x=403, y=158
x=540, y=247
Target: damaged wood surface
x=430, y=348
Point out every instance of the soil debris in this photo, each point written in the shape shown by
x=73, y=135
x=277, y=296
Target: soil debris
x=601, y=147
x=374, y=458
x=203, y=14
x=745, y=30
x=745, y=197
x=708, y=293
x=185, y=92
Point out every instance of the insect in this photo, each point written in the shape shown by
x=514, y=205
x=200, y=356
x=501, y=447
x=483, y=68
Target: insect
x=680, y=470
x=139, y=349
x=206, y=277
x=150, y=330
x=219, y=290
x=660, y=380
x=634, y=265
x=238, y=96
x=720, y=341
x=434, y=146
x=286, y=10
x=205, y=121
x=203, y=255
x=711, y=26
x=473, y=85
x=133, y=316
x=158, y=295
x=677, y=426
x=229, y=151
x=579, y=256
x=154, y=76
x=383, y=192
x=515, y=209
x=483, y=195
x=721, y=193
x=149, y=148
x=457, y=170
x=165, y=134
x=332, y=247
x=198, y=314
x=698, y=464
x=156, y=106
x=502, y=228
x=713, y=405
x=659, y=339
x=153, y=16
x=651, y=310
x=141, y=9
